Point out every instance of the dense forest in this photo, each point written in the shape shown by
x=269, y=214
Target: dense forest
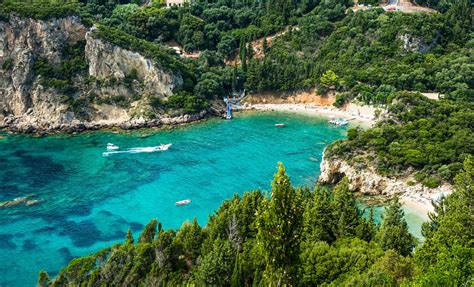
x=366, y=56
x=431, y=138
x=292, y=237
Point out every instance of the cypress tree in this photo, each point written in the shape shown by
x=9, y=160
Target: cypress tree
x=129, y=238
x=393, y=232
x=265, y=45
x=345, y=210
x=279, y=229
x=318, y=218
x=237, y=278
x=148, y=232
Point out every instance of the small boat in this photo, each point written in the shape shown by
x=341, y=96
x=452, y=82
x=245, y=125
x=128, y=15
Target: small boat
x=183, y=202
x=339, y=122
x=280, y=125
x=111, y=146
x=164, y=146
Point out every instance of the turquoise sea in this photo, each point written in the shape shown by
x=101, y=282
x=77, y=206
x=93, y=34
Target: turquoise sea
x=88, y=201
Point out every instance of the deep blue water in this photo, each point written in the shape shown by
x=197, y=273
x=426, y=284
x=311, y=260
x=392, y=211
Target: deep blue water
x=90, y=200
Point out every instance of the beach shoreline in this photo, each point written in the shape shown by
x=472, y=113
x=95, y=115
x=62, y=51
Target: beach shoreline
x=352, y=115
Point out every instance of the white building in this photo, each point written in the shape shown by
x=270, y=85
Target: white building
x=175, y=3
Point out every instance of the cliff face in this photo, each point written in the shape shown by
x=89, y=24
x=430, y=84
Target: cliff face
x=98, y=97
x=106, y=60
x=366, y=181
x=21, y=42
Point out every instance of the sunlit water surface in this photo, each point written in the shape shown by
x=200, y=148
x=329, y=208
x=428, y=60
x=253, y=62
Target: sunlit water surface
x=90, y=200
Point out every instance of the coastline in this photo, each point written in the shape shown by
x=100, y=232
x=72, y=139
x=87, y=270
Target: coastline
x=365, y=119
x=75, y=126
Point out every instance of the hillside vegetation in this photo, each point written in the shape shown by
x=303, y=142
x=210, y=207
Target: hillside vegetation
x=421, y=136
x=293, y=238
x=366, y=56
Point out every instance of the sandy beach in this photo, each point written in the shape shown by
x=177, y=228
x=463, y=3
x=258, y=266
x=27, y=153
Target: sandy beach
x=418, y=204
x=358, y=115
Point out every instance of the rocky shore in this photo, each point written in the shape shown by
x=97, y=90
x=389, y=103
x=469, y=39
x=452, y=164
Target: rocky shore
x=20, y=125
x=367, y=182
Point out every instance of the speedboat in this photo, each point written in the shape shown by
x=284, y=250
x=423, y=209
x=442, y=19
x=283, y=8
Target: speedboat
x=111, y=146
x=183, y=202
x=164, y=146
x=280, y=125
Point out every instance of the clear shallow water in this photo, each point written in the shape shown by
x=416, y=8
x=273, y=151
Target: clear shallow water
x=90, y=200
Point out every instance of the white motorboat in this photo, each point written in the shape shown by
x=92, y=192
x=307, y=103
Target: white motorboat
x=149, y=149
x=111, y=146
x=183, y=202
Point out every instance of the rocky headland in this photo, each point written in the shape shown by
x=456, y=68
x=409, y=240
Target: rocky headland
x=116, y=87
x=366, y=181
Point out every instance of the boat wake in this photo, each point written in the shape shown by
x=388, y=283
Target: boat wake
x=149, y=149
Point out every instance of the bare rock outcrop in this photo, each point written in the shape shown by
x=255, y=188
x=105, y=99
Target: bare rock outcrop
x=107, y=60
x=27, y=105
x=366, y=181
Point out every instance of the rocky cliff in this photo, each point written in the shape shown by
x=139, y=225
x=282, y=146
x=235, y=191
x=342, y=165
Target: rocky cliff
x=43, y=88
x=364, y=179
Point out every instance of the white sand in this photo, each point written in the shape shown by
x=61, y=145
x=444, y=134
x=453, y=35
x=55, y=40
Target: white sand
x=366, y=118
x=416, y=203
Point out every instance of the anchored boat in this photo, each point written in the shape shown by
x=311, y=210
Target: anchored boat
x=111, y=146
x=183, y=202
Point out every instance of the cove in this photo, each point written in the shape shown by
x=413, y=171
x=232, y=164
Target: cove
x=88, y=201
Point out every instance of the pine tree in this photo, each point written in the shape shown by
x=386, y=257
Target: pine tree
x=43, y=279
x=129, y=239
x=237, y=278
x=445, y=258
x=279, y=229
x=318, y=217
x=148, y=232
x=265, y=45
x=345, y=210
x=366, y=228
x=393, y=232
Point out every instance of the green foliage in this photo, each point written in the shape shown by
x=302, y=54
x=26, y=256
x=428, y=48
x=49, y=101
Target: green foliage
x=445, y=258
x=62, y=77
x=244, y=242
x=149, y=232
x=329, y=79
x=393, y=232
x=43, y=279
x=319, y=218
x=345, y=210
x=40, y=9
x=7, y=64
x=186, y=102
x=216, y=267
x=279, y=228
x=429, y=137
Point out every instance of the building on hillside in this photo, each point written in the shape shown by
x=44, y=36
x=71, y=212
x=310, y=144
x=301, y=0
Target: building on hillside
x=175, y=3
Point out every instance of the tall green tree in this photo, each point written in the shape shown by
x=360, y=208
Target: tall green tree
x=393, y=232
x=345, y=210
x=148, y=232
x=279, y=229
x=446, y=257
x=319, y=220
x=237, y=278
